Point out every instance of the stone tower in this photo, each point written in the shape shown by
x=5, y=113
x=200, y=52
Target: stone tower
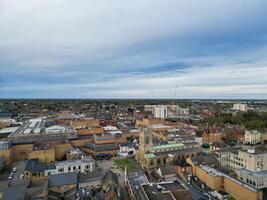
x=145, y=144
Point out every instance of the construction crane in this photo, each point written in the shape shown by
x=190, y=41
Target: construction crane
x=174, y=98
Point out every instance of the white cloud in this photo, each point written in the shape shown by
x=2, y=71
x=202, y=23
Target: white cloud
x=80, y=46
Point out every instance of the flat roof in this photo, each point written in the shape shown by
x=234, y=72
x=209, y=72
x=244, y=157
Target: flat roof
x=9, y=129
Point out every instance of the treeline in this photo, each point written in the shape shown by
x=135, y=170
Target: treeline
x=250, y=119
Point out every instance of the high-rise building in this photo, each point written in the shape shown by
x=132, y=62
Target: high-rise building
x=240, y=107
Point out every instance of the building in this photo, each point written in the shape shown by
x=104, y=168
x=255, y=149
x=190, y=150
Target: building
x=139, y=188
x=158, y=111
x=62, y=186
x=220, y=182
x=20, y=189
x=250, y=165
x=35, y=170
x=167, y=172
x=6, y=152
x=182, y=111
x=252, y=158
x=211, y=135
x=172, y=190
x=161, y=112
x=5, y=132
x=254, y=179
x=91, y=179
x=110, y=186
x=150, y=156
x=252, y=137
x=240, y=107
x=149, y=121
x=134, y=180
x=102, y=146
x=83, y=165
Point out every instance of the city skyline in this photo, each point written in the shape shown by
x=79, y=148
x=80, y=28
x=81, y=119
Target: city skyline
x=118, y=49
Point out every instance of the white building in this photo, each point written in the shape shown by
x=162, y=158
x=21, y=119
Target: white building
x=158, y=111
x=252, y=137
x=255, y=179
x=161, y=111
x=80, y=166
x=240, y=107
x=182, y=111
x=253, y=158
x=149, y=108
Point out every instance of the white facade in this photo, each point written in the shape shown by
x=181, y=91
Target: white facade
x=250, y=159
x=161, y=112
x=182, y=111
x=79, y=166
x=240, y=107
x=158, y=111
x=252, y=137
x=255, y=179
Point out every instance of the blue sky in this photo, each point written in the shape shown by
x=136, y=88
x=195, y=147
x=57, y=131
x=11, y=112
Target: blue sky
x=133, y=49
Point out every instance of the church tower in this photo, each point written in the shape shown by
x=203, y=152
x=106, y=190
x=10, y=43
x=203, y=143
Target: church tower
x=145, y=143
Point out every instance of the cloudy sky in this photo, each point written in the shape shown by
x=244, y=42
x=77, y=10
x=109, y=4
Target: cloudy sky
x=133, y=49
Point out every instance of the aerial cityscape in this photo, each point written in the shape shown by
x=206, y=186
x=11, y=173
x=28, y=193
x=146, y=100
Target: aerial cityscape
x=133, y=100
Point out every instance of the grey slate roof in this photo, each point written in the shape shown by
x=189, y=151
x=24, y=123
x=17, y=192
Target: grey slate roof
x=57, y=180
x=34, y=165
x=102, y=147
x=205, y=159
x=167, y=170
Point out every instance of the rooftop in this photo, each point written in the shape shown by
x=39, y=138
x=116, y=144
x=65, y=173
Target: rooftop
x=166, y=191
x=57, y=180
x=168, y=146
x=150, y=155
x=40, y=126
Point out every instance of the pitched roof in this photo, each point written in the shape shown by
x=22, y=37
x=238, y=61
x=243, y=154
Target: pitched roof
x=110, y=176
x=62, y=179
x=205, y=159
x=167, y=170
x=34, y=165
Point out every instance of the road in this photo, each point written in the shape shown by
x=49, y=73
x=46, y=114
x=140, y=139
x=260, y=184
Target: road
x=20, y=165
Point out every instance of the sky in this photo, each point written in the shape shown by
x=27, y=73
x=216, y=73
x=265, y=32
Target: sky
x=133, y=49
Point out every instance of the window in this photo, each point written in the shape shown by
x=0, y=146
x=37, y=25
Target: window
x=69, y=168
x=60, y=170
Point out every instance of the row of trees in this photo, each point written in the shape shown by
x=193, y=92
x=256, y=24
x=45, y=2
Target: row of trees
x=250, y=119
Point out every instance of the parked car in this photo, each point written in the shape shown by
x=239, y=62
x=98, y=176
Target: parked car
x=14, y=169
x=10, y=176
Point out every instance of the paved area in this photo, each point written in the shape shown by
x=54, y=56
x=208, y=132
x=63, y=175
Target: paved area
x=20, y=165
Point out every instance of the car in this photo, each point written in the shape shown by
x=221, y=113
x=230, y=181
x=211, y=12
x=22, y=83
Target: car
x=14, y=169
x=10, y=177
